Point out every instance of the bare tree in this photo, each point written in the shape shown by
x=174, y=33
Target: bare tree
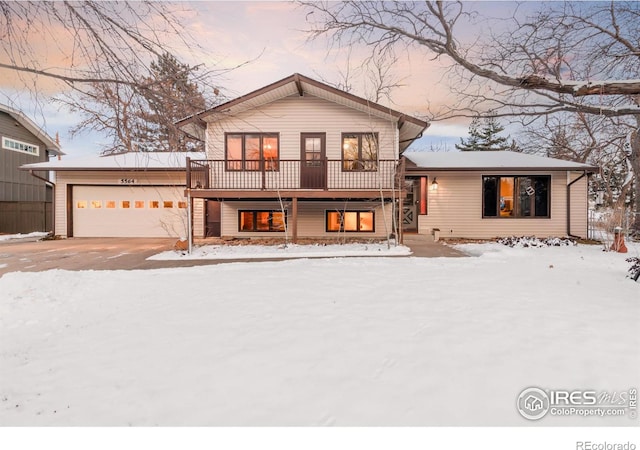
x=577, y=57
x=141, y=119
x=85, y=42
x=111, y=62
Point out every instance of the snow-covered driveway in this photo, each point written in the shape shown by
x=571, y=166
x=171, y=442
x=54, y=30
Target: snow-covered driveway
x=346, y=341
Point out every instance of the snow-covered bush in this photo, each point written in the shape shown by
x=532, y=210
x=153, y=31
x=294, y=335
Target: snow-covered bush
x=634, y=270
x=532, y=241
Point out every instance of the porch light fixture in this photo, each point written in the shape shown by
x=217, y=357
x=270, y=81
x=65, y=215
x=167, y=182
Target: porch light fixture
x=434, y=184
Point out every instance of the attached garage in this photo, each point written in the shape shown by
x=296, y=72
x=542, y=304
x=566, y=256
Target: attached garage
x=129, y=211
x=126, y=195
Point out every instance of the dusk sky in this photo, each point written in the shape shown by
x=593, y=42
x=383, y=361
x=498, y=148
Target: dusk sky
x=271, y=36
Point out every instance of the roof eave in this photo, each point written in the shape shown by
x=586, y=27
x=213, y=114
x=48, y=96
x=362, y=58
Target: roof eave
x=589, y=169
x=50, y=145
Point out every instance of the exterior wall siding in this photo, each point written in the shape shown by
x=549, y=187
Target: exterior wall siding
x=25, y=217
x=311, y=218
x=18, y=185
x=64, y=179
x=308, y=114
x=456, y=208
x=198, y=218
x=579, y=207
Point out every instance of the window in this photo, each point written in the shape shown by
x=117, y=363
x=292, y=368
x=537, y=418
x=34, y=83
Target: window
x=139, y=204
x=360, y=152
x=111, y=204
x=81, y=204
x=182, y=205
x=252, y=151
x=19, y=146
x=313, y=151
x=154, y=204
x=96, y=204
x=354, y=221
x=126, y=204
x=167, y=204
x=261, y=221
x=515, y=196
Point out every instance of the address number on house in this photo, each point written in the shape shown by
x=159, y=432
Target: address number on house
x=128, y=181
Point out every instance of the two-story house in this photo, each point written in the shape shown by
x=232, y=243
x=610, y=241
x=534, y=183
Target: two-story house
x=301, y=158
x=25, y=200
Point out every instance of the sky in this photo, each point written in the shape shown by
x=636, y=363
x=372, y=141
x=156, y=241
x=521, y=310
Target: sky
x=269, y=42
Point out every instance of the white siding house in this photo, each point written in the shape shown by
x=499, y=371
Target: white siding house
x=483, y=194
x=299, y=157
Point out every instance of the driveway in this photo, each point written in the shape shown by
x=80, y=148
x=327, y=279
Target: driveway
x=130, y=253
x=86, y=254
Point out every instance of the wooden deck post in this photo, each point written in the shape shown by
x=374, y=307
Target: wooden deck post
x=294, y=219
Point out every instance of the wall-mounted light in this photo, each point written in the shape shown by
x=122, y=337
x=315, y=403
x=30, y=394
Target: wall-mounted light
x=434, y=184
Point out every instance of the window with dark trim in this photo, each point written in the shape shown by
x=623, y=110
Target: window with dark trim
x=351, y=221
x=360, y=152
x=516, y=196
x=252, y=151
x=261, y=221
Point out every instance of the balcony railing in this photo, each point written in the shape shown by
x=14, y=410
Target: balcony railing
x=292, y=175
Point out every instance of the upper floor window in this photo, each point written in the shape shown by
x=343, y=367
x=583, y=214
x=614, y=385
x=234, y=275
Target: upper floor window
x=360, y=152
x=516, y=196
x=252, y=151
x=19, y=146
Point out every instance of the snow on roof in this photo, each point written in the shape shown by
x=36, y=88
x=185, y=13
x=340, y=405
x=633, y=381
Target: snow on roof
x=122, y=161
x=489, y=160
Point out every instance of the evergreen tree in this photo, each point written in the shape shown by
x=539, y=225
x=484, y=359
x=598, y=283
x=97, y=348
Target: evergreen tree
x=172, y=96
x=484, y=135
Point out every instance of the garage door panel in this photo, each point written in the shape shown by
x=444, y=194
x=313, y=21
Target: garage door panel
x=129, y=211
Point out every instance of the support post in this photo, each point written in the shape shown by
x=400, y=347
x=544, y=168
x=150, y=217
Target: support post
x=294, y=219
x=189, y=221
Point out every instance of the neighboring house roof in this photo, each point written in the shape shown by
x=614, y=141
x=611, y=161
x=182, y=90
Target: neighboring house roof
x=484, y=160
x=51, y=145
x=122, y=161
x=410, y=127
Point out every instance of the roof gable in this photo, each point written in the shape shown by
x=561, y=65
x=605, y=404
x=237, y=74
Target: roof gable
x=410, y=127
x=51, y=145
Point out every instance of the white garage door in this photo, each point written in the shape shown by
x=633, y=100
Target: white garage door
x=129, y=211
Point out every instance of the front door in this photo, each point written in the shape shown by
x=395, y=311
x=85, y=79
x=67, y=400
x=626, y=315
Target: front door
x=312, y=161
x=409, y=206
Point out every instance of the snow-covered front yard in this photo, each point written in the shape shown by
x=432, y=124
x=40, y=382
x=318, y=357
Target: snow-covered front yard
x=343, y=341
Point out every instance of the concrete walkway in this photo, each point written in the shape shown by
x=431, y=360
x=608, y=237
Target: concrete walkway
x=131, y=253
x=423, y=246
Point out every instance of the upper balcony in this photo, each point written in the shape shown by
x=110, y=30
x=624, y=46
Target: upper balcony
x=321, y=178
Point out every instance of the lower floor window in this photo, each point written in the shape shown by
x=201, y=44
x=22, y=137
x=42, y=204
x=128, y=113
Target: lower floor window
x=261, y=221
x=359, y=221
x=515, y=196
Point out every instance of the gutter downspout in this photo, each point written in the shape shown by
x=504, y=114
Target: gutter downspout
x=53, y=200
x=584, y=174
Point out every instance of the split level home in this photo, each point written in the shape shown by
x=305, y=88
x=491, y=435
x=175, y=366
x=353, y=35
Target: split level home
x=301, y=159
